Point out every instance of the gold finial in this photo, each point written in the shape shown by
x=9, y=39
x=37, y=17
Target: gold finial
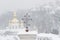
x=14, y=14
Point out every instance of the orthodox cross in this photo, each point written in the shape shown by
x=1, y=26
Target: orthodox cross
x=26, y=20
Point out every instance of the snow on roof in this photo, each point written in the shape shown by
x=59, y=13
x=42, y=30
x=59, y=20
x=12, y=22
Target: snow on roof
x=47, y=35
x=30, y=32
x=19, y=31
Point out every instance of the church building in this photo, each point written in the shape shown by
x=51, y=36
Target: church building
x=16, y=28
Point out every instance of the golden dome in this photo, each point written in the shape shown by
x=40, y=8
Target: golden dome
x=14, y=15
x=14, y=20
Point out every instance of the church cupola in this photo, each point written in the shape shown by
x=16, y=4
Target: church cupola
x=14, y=23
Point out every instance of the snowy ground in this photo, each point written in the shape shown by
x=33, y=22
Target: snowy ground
x=49, y=36
x=9, y=38
x=41, y=36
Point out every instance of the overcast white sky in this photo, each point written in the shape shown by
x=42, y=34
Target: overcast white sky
x=6, y=5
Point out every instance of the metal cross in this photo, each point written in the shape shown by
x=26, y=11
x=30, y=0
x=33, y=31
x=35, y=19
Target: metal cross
x=26, y=20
